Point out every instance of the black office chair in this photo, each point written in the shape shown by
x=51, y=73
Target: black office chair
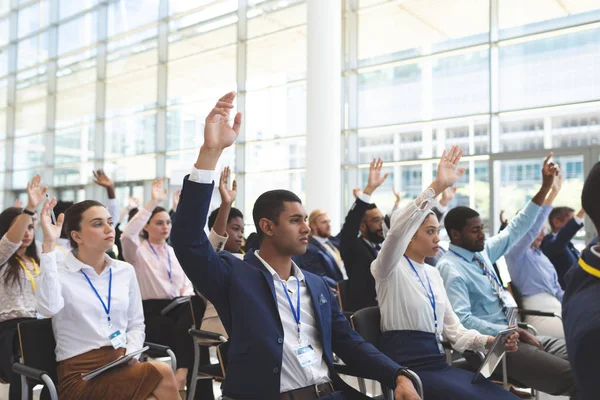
x=206, y=371
x=367, y=323
x=38, y=359
x=525, y=312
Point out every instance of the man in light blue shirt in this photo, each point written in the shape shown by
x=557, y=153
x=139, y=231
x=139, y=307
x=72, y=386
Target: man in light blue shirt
x=475, y=293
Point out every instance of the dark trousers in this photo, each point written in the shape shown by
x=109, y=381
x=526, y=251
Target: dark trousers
x=9, y=354
x=172, y=330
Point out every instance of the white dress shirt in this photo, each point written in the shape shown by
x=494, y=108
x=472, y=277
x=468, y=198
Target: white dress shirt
x=293, y=375
x=402, y=298
x=79, y=321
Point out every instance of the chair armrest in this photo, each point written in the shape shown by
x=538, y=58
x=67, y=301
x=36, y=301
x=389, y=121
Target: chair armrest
x=200, y=334
x=158, y=348
x=28, y=372
x=536, y=313
x=176, y=301
x=416, y=381
x=527, y=327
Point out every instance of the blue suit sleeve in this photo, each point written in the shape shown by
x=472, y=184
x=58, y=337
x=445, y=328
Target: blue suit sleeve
x=361, y=357
x=209, y=272
x=557, y=244
x=311, y=261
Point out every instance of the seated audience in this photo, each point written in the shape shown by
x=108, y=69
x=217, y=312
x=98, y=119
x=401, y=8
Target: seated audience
x=557, y=245
x=19, y=266
x=359, y=251
x=484, y=305
x=322, y=257
x=130, y=210
x=534, y=276
x=581, y=308
x=415, y=311
x=284, y=323
x=97, y=312
x=160, y=277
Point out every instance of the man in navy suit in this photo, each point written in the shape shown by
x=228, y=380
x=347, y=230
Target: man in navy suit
x=283, y=323
x=322, y=256
x=581, y=308
x=557, y=245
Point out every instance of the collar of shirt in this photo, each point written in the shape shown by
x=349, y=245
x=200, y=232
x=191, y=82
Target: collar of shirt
x=296, y=272
x=320, y=239
x=466, y=254
x=74, y=265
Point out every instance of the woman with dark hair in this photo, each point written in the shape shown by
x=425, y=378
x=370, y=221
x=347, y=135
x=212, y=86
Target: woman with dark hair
x=144, y=243
x=19, y=266
x=97, y=311
x=415, y=311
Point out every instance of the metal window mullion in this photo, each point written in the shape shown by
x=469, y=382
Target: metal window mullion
x=99, y=125
x=49, y=138
x=241, y=72
x=494, y=128
x=161, y=95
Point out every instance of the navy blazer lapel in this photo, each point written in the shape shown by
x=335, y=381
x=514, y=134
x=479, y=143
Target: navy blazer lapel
x=325, y=252
x=317, y=298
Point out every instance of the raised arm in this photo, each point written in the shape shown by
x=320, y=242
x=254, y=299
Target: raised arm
x=48, y=296
x=407, y=221
x=351, y=227
x=227, y=199
x=35, y=195
x=501, y=243
x=100, y=178
x=209, y=272
x=130, y=238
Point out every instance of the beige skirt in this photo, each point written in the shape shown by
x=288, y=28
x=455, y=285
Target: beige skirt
x=135, y=382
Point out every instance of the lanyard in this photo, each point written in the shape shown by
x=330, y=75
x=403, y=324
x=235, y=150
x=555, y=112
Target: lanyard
x=588, y=268
x=106, y=309
x=429, y=293
x=485, y=270
x=170, y=269
x=295, y=312
x=28, y=273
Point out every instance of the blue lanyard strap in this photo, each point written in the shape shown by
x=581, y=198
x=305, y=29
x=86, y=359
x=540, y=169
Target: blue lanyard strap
x=429, y=293
x=295, y=312
x=106, y=308
x=484, y=268
x=170, y=269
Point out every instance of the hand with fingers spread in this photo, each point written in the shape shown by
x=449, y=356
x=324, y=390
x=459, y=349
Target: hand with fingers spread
x=35, y=193
x=51, y=231
x=549, y=172
x=398, y=197
x=100, y=178
x=132, y=203
x=158, y=193
x=448, y=173
x=375, y=178
x=448, y=195
x=18, y=203
x=176, y=196
x=227, y=196
x=356, y=192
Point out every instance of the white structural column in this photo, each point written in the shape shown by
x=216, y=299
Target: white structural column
x=323, y=110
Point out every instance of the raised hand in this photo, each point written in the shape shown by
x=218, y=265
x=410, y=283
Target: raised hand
x=158, y=193
x=549, y=172
x=227, y=196
x=100, y=178
x=133, y=202
x=503, y=220
x=448, y=173
x=397, y=195
x=375, y=178
x=356, y=192
x=51, y=231
x=557, y=184
x=176, y=199
x=218, y=133
x=18, y=203
x=448, y=195
x=35, y=192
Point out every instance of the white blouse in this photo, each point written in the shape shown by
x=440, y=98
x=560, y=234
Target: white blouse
x=403, y=301
x=79, y=320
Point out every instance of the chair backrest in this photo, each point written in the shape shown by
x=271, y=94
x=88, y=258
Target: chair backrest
x=343, y=288
x=38, y=345
x=516, y=294
x=367, y=322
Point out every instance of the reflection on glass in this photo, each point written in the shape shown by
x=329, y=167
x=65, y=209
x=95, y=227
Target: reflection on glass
x=2, y=124
x=3, y=63
x=131, y=168
x=556, y=70
x=130, y=135
x=393, y=30
x=76, y=174
x=69, y=7
x=30, y=117
x=78, y=33
x=32, y=51
x=2, y=156
x=3, y=93
x=262, y=182
x=74, y=144
x=198, y=39
x=30, y=90
x=3, y=31
x=33, y=18
x=132, y=92
x=276, y=112
x=76, y=75
x=185, y=125
x=76, y=106
x=125, y=15
x=277, y=154
x=29, y=152
x=274, y=17
x=20, y=179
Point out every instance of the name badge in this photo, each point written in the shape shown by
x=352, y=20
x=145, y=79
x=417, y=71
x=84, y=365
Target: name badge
x=306, y=355
x=117, y=339
x=507, y=299
x=440, y=345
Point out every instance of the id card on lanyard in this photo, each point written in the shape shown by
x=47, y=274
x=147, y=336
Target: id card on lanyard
x=31, y=278
x=431, y=296
x=117, y=339
x=305, y=352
